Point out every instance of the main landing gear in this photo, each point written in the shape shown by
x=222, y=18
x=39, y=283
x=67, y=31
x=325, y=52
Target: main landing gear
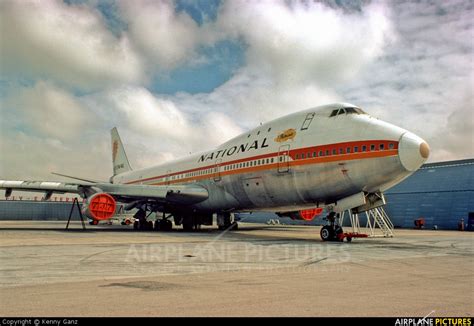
x=190, y=221
x=141, y=222
x=225, y=222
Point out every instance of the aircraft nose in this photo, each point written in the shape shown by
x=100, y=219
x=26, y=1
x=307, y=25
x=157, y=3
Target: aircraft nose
x=413, y=151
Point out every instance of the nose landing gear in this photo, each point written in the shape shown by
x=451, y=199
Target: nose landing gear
x=333, y=231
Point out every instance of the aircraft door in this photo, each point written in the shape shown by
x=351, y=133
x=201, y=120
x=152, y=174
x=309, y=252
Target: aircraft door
x=283, y=159
x=217, y=170
x=168, y=177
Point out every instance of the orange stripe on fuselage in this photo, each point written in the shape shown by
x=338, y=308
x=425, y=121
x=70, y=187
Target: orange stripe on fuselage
x=293, y=153
x=274, y=166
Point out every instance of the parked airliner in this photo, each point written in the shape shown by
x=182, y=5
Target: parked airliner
x=334, y=156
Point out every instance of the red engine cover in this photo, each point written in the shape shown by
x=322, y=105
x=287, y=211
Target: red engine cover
x=310, y=214
x=100, y=206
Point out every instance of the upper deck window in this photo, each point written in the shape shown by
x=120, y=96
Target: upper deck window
x=307, y=121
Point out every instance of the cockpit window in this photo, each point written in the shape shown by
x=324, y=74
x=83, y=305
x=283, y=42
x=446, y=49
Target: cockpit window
x=348, y=110
x=351, y=110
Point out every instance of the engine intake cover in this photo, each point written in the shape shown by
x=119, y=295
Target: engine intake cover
x=99, y=206
x=310, y=214
x=305, y=215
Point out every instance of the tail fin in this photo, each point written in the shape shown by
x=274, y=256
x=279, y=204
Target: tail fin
x=119, y=157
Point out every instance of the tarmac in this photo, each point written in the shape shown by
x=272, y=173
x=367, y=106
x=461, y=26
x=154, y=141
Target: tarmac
x=259, y=270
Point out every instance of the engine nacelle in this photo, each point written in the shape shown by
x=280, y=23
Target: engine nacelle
x=99, y=206
x=304, y=215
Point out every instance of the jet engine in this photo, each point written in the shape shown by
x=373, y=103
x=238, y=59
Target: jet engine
x=305, y=215
x=99, y=206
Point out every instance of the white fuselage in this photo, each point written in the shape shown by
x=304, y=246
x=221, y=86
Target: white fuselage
x=302, y=160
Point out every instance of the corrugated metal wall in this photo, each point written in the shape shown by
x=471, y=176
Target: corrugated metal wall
x=441, y=193
x=35, y=210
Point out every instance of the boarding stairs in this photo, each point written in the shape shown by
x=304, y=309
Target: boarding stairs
x=378, y=223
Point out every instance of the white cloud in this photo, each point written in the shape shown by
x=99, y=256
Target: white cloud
x=140, y=111
x=166, y=38
x=47, y=110
x=34, y=158
x=305, y=42
x=456, y=136
x=69, y=43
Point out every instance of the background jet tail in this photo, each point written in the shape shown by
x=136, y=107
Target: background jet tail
x=119, y=157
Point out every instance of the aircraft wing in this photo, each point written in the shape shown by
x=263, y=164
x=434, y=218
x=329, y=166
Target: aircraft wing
x=174, y=194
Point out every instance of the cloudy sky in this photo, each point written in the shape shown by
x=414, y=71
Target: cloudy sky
x=184, y=76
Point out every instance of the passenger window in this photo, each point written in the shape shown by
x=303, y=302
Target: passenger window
x=348, y=150
x=341, y=151
x=320, y=153
x=271, y=160
x=356, y=149
x=364, y=148
x=391, y=145
x=327, y=152
x=382, y=147
x=372, y=147
x=302, y=155
x=314, y=154
x=297, y=157
x=334, y=152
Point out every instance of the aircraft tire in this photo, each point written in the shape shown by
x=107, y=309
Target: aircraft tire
x=157, y=226
x=326, y=233
x=165, y=225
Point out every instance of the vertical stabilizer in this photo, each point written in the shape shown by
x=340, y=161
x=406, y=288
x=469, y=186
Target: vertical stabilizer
x=119, y=157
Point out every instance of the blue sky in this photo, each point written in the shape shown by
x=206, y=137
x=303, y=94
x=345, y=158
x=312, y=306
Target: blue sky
x=182, y=76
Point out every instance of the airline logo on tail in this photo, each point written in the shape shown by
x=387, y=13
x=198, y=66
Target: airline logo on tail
x=114, y=149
